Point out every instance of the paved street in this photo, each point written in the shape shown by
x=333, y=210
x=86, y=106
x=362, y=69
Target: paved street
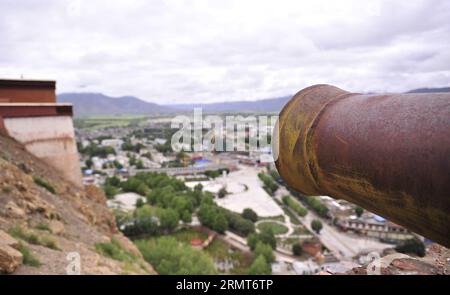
x=343, y=245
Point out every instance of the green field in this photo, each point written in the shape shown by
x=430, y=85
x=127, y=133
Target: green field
x=278, y=218
x=187, y=235
x=300, y=230
x=276, y=228
x=98, y=122
x=184, y=235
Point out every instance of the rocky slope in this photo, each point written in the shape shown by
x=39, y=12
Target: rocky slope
x=435, y=263
x=45, y=222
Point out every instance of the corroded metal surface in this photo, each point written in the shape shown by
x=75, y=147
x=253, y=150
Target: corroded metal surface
x=387, y=153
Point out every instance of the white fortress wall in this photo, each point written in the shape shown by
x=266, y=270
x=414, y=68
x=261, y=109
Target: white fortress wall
x=51, y=138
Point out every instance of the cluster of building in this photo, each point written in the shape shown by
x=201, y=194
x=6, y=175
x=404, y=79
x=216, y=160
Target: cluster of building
x=121, y=162
x=193, y=164
x=376, y=227
x=367, y=225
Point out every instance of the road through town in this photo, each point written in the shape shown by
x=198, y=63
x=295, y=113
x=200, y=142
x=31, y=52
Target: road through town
x=342, y=245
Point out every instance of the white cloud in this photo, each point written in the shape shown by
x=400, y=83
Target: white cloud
x=205, y=51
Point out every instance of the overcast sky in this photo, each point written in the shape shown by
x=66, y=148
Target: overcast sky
x=207, y=51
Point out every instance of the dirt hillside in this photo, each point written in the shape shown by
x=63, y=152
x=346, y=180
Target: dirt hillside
x=46, y=223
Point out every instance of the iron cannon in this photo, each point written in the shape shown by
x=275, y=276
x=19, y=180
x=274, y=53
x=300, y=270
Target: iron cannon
x=388, y=153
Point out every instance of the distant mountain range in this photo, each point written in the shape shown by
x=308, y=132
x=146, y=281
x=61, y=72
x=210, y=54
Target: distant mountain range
x=264, y=105
x=430, y=90
x=89, y=104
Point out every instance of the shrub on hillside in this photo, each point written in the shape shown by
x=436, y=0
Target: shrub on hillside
x=249, y=214
x=168, y=256
x=412, y=246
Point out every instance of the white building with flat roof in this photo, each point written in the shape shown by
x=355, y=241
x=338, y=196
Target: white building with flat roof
x=307, y=267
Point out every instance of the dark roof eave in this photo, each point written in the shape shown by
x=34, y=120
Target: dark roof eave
x=9, y=83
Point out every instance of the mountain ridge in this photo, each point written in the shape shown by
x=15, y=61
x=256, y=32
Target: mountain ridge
x=262, y=105
x=91, y=103
x=430, y=90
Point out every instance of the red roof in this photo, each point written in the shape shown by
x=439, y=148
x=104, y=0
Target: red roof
x=196, y=242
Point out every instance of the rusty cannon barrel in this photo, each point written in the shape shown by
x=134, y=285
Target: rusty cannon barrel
x=389, y=154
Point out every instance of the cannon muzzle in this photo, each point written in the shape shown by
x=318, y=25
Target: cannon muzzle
x=389, y=154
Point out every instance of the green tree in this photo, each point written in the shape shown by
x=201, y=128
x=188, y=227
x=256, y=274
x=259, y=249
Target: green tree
x=238, y=224
x=359, y=211
x=210, y=215
x=316, y=225
x=139, y=203
x=249, y=214
x=264, y=250
x=316, y=205
x=114, y=181
x=269, y=185
x=89, y=163
x=142, y=189
x=252, y=240
x=168, y=219
x=288, y=201
x=206, y=214
x=297, y=249
x=412, y=246
x=186, y=216
x=117, y=165
x=222, y=193
x=198, y=187
x=260, y=267
x=135, y=185
x=213, y=174
x=170, y=257
x=140, y=164
x=110, y=191
x=143, y=221
x=181, y=204
x=275, y=175
x=128, y=146
x=164, y=148
x=220, y=223
x=265, y=236
x=132, y=160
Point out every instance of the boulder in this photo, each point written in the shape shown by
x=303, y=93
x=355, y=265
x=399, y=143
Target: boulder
x=6, y=239
x=10, y=259
x=56, y=227
x=14, y=211
x=96, y=194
